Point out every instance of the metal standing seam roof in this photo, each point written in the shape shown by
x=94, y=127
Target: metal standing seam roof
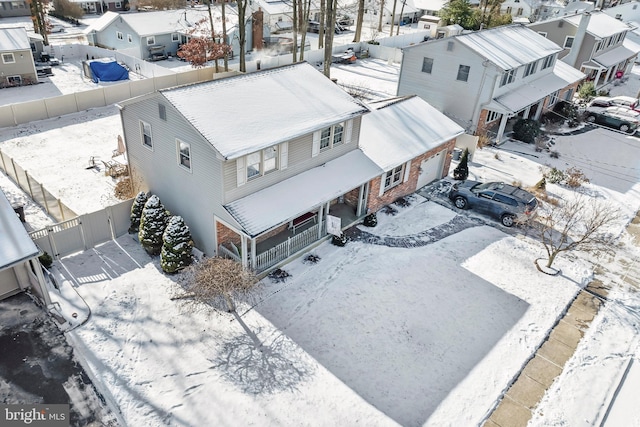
x=532, y=92
x=600, y=24
x=243, y=114
x=15, y=244
x=398, y=132
x=288, y=199
x=14, y=39
x=509, y=46
x=614, y=56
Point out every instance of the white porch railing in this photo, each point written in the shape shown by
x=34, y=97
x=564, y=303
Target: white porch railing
x=287, y=248
x=226, y=253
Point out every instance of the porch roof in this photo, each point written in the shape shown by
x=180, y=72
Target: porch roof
x=288, y=199
x=511, y=102
x=614, y=56
x=399, y=131
x=15, y=246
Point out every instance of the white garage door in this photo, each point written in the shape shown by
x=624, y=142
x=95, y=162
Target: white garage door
x=8, y=283
x=431, y=169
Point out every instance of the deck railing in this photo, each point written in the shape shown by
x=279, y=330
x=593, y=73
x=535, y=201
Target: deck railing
x=287, y=248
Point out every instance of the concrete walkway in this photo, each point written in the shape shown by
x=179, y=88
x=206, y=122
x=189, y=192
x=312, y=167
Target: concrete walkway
x=514, y=410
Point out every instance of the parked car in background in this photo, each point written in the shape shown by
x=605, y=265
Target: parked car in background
x=620, y=118
x=508, y=203
x=626, y=101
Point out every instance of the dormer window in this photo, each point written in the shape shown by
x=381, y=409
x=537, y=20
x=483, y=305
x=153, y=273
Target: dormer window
x=530, y=68
x=547, y=62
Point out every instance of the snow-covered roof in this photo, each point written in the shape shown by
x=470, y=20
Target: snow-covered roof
x=600, y=24
x=398, y=132
x=15, y=245
x=509, y=46
x=297, y=195
x=532, y=92
x=429, y=4
x=13, y=39
x=243, y=114
x=614, y=56
x=165, y=21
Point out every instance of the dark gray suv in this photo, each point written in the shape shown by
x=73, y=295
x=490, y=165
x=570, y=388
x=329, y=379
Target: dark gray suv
x=506, y=202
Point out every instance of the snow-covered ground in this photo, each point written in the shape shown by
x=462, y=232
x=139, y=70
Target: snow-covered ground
x=370, y=334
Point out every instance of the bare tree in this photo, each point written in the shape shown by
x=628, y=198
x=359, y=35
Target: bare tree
x=65, y=8
x=323, y=11
x=242, y=32
x=38, y=16
x=218, y=282
x=328, y=36
x=359, y=19
x=393, y=16
x=381, y=15
x=580, y=223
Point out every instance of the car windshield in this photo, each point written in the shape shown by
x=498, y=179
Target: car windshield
x=487, y=186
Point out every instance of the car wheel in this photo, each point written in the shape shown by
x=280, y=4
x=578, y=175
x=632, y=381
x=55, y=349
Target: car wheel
x=508, y=220
x=624, y=128
x=591, y=119
x=460, y=202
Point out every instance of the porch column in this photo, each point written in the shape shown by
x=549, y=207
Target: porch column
x=243, y=250
x=253, y=253
x=597, y=80
x=42, y=284
x=320, y=221
x=526, y=112
x=606, y=79
x=502, y=127
x=539, y=109
x=362, y=197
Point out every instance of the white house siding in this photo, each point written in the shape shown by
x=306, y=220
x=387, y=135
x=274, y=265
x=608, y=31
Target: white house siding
x=299, y=160
x=8, y=283
x=440, y=88
x=196, y=196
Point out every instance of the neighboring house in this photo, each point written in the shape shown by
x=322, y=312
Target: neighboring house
x=19, y=265
x=14, y=8
x=256, y=177
x=153, y=35
x=520, y=8
x=554, y=9
x=277, y=14
x=593, y=43
x=16, y=59
x=100, y=7
x=484, y=79
x=405, y=12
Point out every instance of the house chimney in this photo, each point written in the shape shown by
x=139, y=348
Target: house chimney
x=572, y=56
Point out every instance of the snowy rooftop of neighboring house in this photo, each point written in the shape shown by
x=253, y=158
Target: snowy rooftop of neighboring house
x=15, y=244
x=165, y=21
x=14, y=39
x=508, y=47
x=526, y=94
x=397, y=132
x=269, y=107
x=288, y=199
x=600, y=24
x=429, y=4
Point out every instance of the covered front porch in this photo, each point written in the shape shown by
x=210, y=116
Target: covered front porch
x=530, y=100
x=280, y=221
x=607, y=67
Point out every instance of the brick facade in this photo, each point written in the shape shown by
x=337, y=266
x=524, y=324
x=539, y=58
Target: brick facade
x=226, y=235
x=375, y=201
x=351, y=198
x=273, y=232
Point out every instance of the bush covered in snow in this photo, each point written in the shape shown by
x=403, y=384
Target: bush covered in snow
x=176, y=246
x=136, y=211
x=152, y=224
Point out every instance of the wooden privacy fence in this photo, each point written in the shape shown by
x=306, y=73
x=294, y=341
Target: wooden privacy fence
x=54, y=207
x=85, y=231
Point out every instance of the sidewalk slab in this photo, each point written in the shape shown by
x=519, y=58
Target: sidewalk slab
x=510, y=414
x=567, y=334
x=542, y=370
x=579, y=318
x=556, y=352
x=587, y=302
x=526, y=391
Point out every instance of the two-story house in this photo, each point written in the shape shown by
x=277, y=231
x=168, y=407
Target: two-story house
x=520, y=9
x=483, y=79
x=258, y=163
x=150, y=35
x=593, y=43
x=17, y=66
x=14, y=8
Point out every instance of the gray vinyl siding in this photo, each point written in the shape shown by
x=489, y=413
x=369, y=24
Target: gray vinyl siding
x=454, y=98
x=8, y=8
x=195, y=196
x=23, y=66
x=108, y=37
x=586, y=50
x=299, y=160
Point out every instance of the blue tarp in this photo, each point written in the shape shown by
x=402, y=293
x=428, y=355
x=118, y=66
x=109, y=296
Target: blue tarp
x=108, y=71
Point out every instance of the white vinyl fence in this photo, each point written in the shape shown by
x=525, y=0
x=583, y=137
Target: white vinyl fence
x=84, y=232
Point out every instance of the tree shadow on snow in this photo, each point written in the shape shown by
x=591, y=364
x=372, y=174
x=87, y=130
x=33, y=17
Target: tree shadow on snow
x=262, y=367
